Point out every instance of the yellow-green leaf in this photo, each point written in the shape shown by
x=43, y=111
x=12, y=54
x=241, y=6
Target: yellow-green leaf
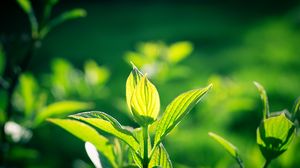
x=88, y=134
x=160, y=158
x=264, y=97
x=274, y=135
x=25, y=5
x=110, y=125
x=229, y=147
x=132, y=80
x=178, y=51
x=145, y=103
x=176, y=110
x=61, y=108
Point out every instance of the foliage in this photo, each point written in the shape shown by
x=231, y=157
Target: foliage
x=143, y=102
x=273, y=136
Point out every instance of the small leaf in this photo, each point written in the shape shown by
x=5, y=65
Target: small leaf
x=160, y=158
x=93, y=154
x=69, y=15
x=25, y=5
x=95, y=74
x=60, y=108
x=178, y=51
x=230, y=148
x=296, y=108
x=145, y=103
x=28, y=88
x=88, y=134
x=176, y=110
x=264, y=97
x=274, y=135
x=110, y=125
x=132, y=80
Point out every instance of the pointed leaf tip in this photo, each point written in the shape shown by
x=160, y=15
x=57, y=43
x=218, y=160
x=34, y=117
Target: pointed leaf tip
x=264, y=97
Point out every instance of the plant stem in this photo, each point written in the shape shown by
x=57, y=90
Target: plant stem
x=145, y=156
x=267, y=163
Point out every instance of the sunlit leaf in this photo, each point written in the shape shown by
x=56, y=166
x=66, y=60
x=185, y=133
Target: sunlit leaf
x=229, y=147
x=264, y=97
x=296, y=108
x=160, y=158
x=95, y=74
x=88, y=134
x=176, y=110
x=69, y=15
x=150, y=50
x=61, y=108
x=92, y=152
x=110, y=125
x=145, y=103
x=28, y=88
x=25, y=5
x=132, y=80
x=274, y=135
x=178, y=51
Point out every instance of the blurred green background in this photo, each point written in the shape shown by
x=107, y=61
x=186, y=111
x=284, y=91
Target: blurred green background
x=230, y=44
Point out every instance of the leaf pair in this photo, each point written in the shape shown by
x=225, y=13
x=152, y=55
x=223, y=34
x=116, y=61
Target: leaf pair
x=142, y=98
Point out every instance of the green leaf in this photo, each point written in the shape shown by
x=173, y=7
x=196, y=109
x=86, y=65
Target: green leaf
x=88, y=134
x=230, y=148
x=176, y=110
x=145, y=103
x=110, y=125
x=178, y=51
x=95, y=74
x=28, y=88
x=27, y=8
x=296, y=108
x=264, y=97
x=25, y=5
x=69, y=15
x=60, y=108
x=274, y=135
x=132, y=80
x=160, y=158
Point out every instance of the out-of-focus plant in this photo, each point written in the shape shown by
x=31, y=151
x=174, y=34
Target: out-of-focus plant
x=161, y=61
x=141, y=149
x=273, y=135
x=66, y=81
x=23, y=105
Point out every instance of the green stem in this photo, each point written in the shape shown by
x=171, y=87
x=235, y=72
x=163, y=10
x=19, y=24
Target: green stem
x=267, y=163
x=145, y=156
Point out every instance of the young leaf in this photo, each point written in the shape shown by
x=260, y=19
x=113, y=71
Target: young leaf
x=60, y=108
x=28, y=88
x=27, y=8
x=230, y=148
x=145, y=103
x=88, y=134
x=176, y=110
x=264, y=97
x=132, y=80
x=160, y=158
x=178, y=51
x=93, y=154
x=69, y=15
x=110, y=125
x=296, y=108
x=274, y=135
